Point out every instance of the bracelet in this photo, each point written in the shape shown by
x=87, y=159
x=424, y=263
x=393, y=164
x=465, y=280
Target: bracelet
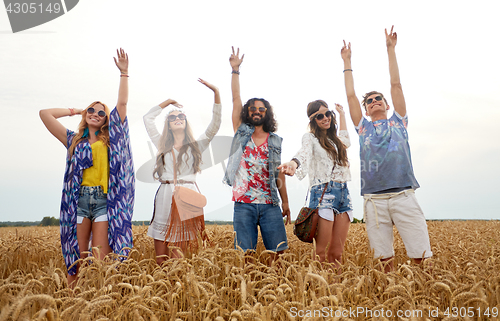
x=296, y=162
x=235, y=72
x=72, y=111
x=347, y=70
x=124, y=75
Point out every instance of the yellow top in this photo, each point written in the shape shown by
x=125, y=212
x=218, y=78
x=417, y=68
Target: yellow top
x=98, y=174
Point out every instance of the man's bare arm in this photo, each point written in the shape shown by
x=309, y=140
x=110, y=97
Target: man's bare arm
x=398, y=99
x=235, y=62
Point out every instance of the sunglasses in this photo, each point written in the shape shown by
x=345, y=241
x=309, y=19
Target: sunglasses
x=254, y=109
x=370, y=100
x=181, y=116
x=327, y=114
x=100, y=113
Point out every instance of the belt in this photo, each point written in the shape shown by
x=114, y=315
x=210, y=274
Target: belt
x=385, y=196
x=179, y=181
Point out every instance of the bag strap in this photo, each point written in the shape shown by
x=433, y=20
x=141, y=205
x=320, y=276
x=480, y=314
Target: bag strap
x=175, y=169
x=324, y=190
x=321, y=199
x=175, y=172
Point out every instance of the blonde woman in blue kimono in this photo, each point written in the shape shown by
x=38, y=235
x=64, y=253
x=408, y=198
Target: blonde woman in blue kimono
x=98, y=190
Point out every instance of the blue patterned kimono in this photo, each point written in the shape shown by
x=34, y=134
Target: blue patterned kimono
x=121, y=191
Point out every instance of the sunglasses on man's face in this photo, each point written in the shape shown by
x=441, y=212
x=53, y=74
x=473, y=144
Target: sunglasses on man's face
x=100, y=113
x=327, y=114
x=172, y=117
x=370, y=100
x=254, y=109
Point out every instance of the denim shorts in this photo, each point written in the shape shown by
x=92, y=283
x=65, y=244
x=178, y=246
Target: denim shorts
x=336, y=197
x=92, y=204
x=246, y=218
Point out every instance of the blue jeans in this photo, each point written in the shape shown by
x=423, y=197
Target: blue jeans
x=246, y=218
x=336, y=197
x=92, y=202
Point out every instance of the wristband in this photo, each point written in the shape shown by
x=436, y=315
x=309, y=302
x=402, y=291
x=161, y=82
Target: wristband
x=72, y=111
x=124, y=75
x=347, y=70
x=235, y=72
x=296, y=162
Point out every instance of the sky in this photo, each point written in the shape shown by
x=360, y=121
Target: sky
x=448, y=62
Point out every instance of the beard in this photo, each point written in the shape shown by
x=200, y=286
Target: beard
x=256, y=121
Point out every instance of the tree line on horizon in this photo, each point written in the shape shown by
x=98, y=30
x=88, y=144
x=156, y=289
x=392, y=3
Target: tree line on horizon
x=52, y=221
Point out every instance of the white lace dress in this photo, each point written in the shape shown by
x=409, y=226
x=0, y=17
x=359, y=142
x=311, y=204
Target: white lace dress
x=163, y=199
x=317, y=163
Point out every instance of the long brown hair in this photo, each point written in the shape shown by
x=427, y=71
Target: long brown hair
x=270, y=125
x=103, y=131
x=167, y=144
x=337, y=150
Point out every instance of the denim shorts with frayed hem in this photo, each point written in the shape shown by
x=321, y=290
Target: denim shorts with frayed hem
x=92, y=204
x=336, y=197
x=247, y=216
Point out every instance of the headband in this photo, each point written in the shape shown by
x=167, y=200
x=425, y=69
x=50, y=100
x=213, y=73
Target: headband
x=175, y=108
x=313, y=114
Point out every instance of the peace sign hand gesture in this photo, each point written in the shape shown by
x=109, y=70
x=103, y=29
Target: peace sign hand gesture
x=235, y=59
x=346, y=51
x=391, y=39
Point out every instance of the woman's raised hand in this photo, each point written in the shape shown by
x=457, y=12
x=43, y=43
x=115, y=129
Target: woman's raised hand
x=214, y=89
x=175, y=103
x=339, y=109
x=122, y=61
x=170, y=102
x=209, y=85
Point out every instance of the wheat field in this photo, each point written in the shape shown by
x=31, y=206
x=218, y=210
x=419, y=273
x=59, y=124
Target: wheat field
x=461, y=281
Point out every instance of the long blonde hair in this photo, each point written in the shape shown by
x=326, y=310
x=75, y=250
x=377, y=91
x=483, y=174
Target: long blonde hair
x=167, y=144
x=103, y=131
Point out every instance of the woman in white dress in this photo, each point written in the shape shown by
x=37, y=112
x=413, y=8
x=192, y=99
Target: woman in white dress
x=323, y=156
x=177, y=136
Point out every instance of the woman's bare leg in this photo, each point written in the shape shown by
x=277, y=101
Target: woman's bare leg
x=338, y=237
x=100, y=238
x=83, y=237
x=323, y=237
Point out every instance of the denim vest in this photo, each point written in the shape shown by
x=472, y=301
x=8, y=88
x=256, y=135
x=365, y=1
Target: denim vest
x=240, y=140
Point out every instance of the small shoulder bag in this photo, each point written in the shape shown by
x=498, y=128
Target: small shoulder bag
x=187, y=221
x=306, y=224
x=189, y=203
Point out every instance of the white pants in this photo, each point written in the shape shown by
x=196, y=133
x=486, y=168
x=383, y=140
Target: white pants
x=382, y=211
